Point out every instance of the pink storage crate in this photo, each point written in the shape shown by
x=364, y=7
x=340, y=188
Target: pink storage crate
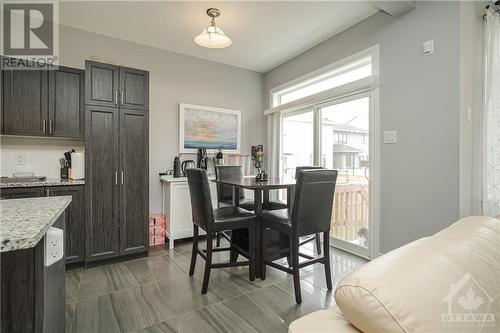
x=156, y=240
x=157, y=220
x=156, y=229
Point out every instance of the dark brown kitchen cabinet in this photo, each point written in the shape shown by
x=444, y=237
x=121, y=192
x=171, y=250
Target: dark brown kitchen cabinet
x=134, y=181
x=101, y=84
x=75, y=220
x=114, y=86
x=25, y=102
x=43, y=102
x=134, y=89
x=102, y=188
x=116, y=161
x=66, y=102
x=21, y=192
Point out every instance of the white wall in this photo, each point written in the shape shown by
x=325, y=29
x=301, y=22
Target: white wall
x=420, y=98
x=174, y=78
x=41, y=155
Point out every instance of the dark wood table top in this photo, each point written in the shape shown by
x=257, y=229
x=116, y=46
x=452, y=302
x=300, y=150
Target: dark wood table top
x=250, y=183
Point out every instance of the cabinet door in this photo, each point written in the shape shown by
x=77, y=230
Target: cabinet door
x=101, y=84
x=25, y=101
x=75, y=221
x=134, y=180
x=21, y=192
x=66, y=102
x=134, y=89
x=101, y=190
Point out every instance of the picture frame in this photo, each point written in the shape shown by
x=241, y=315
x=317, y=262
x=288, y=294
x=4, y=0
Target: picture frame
x=209, y=127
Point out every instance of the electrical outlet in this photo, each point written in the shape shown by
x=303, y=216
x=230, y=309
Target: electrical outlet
x=20, y=159
x=54, y=246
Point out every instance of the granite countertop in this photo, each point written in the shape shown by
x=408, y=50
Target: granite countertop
x=23, y=222
x=46, y=182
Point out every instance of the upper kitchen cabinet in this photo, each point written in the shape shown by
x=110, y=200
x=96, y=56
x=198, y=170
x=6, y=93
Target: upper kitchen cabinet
x=114, y=86
x=66, y=102
x=134, y=89
x=43, y=102
x=24, y=102
x=102, y=84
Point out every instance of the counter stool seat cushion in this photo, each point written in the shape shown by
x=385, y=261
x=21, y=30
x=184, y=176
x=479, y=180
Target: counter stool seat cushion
x=230, y=218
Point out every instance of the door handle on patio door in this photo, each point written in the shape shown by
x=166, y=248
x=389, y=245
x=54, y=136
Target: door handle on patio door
x=366, y=177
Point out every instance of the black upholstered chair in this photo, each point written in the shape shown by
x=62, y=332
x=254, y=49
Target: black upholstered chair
x=310, y=215
x=225, y=192
x=216, y=220
x=282, y=205
x=225, y=196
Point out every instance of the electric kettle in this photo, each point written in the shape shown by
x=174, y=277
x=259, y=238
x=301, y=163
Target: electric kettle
x=187, y=164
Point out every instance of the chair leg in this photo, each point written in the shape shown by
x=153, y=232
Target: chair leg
x=208, y=264
x=295, y=269
x=217, y=241
x=251, y=252
x=318, y=243
x=263, y=239
x=233, y=254
x=326, y=255
x=194, y=252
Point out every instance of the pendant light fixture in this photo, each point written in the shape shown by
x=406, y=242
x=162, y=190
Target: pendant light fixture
x=213, y=37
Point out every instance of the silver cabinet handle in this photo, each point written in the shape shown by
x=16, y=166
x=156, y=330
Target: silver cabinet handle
x=122, y=177
x=44, y=126
x=48, y=193
x=116, y=177
x=116, y=97
x=121, y=97
x=51, y=126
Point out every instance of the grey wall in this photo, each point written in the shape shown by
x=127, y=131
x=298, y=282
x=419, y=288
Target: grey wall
x=419, y=97
x=174, y=78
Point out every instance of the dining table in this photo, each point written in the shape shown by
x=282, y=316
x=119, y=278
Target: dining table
x=261, y=196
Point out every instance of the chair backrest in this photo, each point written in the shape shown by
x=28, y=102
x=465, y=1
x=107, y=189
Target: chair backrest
x=300, y=168
x=225, y=192
x=313, y=201
x=201, y=202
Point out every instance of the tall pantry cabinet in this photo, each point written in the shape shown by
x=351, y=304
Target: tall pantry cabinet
x=116, y=161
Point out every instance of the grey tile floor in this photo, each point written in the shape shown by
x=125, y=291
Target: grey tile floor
x=155, y=294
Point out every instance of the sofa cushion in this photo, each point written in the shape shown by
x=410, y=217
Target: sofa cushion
x=322, y=321
x=412, y=289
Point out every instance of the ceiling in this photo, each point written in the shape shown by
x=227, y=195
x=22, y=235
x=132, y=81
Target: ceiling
x=264, y=34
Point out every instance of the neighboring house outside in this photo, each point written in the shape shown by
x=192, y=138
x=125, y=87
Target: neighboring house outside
x=344, y=146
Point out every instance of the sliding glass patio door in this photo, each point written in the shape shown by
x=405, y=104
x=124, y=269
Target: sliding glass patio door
x=345, y=146
x=338, y=135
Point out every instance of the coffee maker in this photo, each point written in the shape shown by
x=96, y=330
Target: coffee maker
x=202, y=158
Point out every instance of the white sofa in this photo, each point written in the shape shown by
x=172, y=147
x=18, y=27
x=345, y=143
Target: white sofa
x=432, y=285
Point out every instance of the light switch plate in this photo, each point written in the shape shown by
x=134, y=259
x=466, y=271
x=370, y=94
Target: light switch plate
x=428, y=47
x=54, y=246
x=390, y=136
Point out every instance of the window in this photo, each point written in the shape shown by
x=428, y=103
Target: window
x=364, y=138
x=341, y=138
x=355, y=70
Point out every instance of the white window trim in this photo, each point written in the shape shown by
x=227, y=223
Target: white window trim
x=371, y=51
x=368, y=87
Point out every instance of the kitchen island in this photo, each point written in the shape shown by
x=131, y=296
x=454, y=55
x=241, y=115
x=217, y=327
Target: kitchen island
x=32, y=273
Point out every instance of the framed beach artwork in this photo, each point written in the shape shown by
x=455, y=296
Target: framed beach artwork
x=209, y=127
